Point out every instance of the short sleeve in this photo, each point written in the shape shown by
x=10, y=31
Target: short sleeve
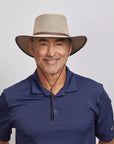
x=104, y=121
x=5, y=123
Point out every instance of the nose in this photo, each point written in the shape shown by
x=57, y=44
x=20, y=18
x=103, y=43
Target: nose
x=51, y=50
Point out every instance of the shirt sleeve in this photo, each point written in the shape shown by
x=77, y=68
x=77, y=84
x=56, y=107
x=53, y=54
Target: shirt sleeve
x=104, y=121
x=5, y=123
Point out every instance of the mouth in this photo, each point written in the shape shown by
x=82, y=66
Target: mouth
x=51, y=61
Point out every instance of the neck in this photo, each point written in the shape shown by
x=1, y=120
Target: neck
x=55, y=81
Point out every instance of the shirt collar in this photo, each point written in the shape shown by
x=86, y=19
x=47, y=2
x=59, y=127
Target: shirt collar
x=70, y=85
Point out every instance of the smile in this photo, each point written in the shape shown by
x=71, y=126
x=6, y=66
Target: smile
x=51, y=61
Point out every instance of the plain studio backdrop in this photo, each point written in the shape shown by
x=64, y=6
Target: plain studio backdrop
x=93, y=18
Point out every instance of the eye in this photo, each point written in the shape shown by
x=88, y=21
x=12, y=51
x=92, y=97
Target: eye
x=59, y=43
x=43, y=44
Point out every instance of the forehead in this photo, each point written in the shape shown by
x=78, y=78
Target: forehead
x=50, y=39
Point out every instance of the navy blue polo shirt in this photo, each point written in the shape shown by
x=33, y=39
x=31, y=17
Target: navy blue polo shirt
x=82, y=111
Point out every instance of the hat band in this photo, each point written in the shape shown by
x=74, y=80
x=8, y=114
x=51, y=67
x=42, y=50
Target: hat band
x=51, y=33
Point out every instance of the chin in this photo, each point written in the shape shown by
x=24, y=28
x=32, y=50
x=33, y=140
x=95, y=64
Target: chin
x=52, y=71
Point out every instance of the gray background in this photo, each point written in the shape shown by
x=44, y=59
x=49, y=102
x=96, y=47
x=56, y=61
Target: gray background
x=93, y=18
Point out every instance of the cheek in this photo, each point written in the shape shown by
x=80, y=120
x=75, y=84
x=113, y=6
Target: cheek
x=38, y=53
x=64, y=56
x=65, y=53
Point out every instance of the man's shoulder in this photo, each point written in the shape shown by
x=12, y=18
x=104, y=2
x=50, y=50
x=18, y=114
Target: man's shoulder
x=22, y=85
x=18, y=91
x=86, y=81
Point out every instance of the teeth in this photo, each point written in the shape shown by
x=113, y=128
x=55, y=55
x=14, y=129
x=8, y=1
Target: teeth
x=51, y=61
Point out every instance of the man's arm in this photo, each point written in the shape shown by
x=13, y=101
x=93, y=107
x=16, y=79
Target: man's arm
x=111, y=142
x=1, y=142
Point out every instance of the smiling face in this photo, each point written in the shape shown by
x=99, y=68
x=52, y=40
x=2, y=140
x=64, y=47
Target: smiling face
x=50, y=54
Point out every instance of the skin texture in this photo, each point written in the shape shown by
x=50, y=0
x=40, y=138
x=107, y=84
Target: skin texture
x=51, y=55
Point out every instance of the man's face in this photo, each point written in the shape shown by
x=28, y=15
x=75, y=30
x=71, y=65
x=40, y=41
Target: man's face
x=51, y=53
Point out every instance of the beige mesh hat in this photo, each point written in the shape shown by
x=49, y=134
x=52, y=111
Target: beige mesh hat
x=50, y=25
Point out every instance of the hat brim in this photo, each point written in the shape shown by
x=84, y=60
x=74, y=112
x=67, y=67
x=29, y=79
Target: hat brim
x=23, y=41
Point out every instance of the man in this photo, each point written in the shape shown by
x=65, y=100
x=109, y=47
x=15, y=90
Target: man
x=54, y=105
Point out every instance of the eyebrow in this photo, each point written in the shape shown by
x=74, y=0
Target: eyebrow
x=58, y=40
x=42, y=40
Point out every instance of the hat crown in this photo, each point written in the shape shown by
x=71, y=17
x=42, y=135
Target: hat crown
x=51, y=23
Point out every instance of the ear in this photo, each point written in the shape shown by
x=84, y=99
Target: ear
x=31, y=48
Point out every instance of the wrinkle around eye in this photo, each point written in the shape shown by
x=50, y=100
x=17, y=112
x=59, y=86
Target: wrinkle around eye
x=59, y=44
x=43, y=44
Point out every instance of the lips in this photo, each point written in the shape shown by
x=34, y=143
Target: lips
x=51, y=61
